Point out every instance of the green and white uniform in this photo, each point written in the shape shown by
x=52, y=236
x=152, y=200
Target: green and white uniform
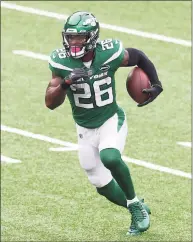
x=94, y=101
x=100, y=122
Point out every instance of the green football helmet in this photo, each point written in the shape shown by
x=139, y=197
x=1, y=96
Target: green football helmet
x=84, y=24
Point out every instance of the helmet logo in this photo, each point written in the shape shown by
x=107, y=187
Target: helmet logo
x=90, y=21
x=93, y=23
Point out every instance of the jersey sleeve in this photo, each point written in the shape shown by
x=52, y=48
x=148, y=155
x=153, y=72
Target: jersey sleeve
x=115, y=55
x=53, y=61
x=59, y=64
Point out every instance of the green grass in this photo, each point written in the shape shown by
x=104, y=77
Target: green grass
x=133, y=14
x=47, y=197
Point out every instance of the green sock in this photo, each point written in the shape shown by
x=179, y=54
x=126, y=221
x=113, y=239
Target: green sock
x=111, y=158
x=123, y=178
x=113, y=193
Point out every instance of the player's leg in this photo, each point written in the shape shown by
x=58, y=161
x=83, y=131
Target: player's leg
x=140, y=218
x=112, y=160
x=113, y=135
x=100, y=176
x=97, y=173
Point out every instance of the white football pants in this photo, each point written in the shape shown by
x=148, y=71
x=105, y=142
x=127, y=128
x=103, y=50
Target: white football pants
x=92, y=141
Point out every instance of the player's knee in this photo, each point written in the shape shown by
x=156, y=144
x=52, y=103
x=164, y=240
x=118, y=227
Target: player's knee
x=87, y=159
x=95, y=181
x=110, y=157
x=87, y=165
x=99, y=177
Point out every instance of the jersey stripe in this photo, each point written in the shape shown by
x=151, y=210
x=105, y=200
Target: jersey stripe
x=59, y=66
x=115, y=55
x=121, y=118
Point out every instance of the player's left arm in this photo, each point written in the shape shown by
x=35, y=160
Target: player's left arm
x=134, y=57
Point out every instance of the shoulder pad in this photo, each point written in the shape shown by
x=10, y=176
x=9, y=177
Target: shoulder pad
x=59, y=60
x=113, y=50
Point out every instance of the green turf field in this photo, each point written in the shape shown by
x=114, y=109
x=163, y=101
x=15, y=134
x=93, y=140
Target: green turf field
x=47, y=197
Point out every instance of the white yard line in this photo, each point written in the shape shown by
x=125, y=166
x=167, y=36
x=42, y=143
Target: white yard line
x=31, y=54
x=186, y=144
x=38, y=136
x=157, y=167
x=63, y=149
x=103, y=25
x=5, y=159
x=71, y=145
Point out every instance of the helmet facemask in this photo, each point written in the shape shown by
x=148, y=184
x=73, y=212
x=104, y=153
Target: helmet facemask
x=78, y=51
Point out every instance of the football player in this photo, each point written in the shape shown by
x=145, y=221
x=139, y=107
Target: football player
x=84, y=70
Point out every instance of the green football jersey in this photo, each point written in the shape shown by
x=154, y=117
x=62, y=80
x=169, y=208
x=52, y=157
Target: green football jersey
x=94, y=101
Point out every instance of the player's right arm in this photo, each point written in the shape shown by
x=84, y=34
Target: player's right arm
x=55, y=94
x=61, y=80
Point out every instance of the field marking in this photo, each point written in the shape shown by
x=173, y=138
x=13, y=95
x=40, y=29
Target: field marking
x=157, y=167
x=102, y=25
x=63, y=149
x=31, y=54
x=75, y=146
x=38, y=136
x=186, y=144
x=8, y=160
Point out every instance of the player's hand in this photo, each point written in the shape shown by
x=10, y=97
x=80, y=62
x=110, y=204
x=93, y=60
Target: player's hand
x=154, y=91
x=78, y=75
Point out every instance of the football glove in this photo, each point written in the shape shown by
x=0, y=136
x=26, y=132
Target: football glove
x=154, y=91
x=78, y=75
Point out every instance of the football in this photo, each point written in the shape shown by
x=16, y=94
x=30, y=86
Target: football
x=136, y=81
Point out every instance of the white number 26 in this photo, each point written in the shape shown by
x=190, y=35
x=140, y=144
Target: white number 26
x=98, y=94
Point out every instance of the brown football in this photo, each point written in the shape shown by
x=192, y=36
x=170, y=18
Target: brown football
x=136, y=81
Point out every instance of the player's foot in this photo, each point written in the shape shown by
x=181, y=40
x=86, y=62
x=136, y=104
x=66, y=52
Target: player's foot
x=140, y=221
x=133, y=231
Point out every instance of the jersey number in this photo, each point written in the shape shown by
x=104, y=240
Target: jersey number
x=107, y=44
x=97, y=91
